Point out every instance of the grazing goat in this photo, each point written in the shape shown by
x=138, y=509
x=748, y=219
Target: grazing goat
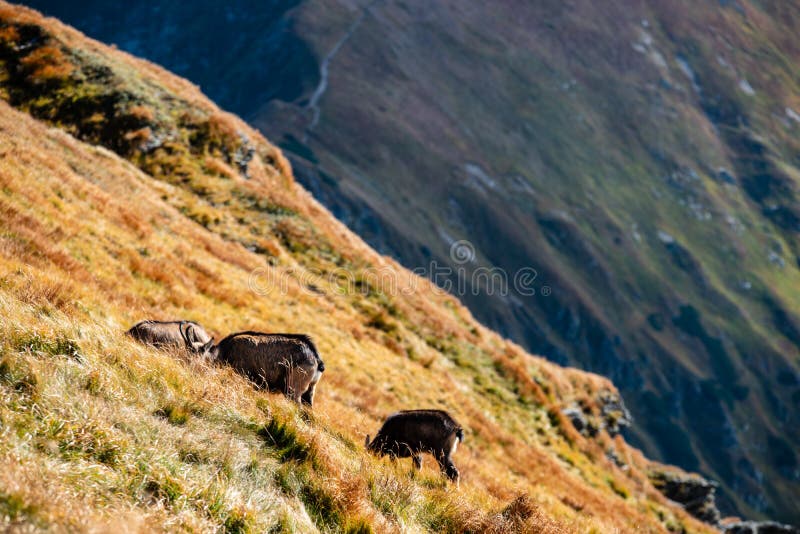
x=288, y=363
x=172, y=334
x=412, y=432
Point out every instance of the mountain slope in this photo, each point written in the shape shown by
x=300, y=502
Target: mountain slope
x=641, y=156
x=617, y=150
x=201, y=219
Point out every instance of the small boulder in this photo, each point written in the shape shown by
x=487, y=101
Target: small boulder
x=759, y=527
x=614, y=456
x=615, y=415
x=693, y=492
x=579, y=420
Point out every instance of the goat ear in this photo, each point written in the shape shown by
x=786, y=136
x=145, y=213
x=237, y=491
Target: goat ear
x=366, y=441
x=208, y=345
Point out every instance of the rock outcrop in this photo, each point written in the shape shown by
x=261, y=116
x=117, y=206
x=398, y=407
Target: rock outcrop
x=580, y=420
x=697, y=495
x=694, y=492
x=606, y=412
x=759, y=527
x=615, y=415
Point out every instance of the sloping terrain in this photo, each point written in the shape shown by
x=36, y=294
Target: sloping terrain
x=642, y=156
x=125, y=193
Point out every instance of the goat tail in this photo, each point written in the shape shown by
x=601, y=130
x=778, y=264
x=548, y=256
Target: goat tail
x=460, y=434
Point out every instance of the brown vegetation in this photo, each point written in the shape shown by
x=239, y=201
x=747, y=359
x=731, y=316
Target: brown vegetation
x=127, y=435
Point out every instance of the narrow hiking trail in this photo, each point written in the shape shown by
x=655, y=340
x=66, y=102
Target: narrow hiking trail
x=313, y=103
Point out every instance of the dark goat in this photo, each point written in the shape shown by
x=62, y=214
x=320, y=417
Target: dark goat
x=412, y=432
x=288, y=363
x=172, y=334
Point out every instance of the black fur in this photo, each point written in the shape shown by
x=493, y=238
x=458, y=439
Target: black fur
x=411, y=432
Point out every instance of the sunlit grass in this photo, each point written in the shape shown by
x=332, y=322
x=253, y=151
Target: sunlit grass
x=98, y=432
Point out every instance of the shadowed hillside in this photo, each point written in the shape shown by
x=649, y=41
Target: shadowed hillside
x=641, y=156
x=124, y=194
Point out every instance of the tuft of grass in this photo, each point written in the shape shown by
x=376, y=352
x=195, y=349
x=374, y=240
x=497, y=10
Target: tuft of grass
x=288, y=446
x=617, y=488
x=358, y=526
x=380, y=321
x=167, y=490
x=15, y=507
x=239, y=521
x=73, y=441
x=94, y=383
x=443, y=515
x=175, y=414
x=38, y=343
x=19, y=376
x=396, y=498
x=322, y=507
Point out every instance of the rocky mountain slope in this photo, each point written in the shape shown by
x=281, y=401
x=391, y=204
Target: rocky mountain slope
x=125, y=193
x=641, y=156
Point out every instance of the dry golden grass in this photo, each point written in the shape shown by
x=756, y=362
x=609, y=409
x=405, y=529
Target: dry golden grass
x=134, y=439
x=77, y=271
x=47, y=63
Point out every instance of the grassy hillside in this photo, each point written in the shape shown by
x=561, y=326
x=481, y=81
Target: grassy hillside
x=641, y=155
x=193, y=214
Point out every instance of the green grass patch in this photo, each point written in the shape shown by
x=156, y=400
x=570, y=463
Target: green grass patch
x=88, y=442
x=174, y=413
x=391, y=496
x=35, y=342
x=284, y=440
x=617, y=488
x=299, y=481
x=14, y=507
x=18, y=375
x=380, y=321
x=238, y=521
x=166, y=490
